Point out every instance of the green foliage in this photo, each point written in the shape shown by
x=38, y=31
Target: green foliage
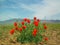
x=26, y=34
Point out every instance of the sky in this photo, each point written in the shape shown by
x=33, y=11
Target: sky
x=42, y=9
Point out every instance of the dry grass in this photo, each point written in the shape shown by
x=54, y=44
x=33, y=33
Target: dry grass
x=53, y=33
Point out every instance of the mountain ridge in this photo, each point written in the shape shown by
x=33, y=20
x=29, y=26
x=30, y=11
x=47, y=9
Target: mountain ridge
x=18, y=20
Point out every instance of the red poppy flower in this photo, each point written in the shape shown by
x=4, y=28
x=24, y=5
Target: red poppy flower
x=34, y=33
x=22, y=23
x=24, y=27
x=15, y=23
x=36, y=23
x=12, y=31
x=45, y=27
x=25, y=19
x=28, y=20
x=35, y=30
x=20, y=29
x=16, y=28
x=34, y=18
x=38, y=20
x=45, y=38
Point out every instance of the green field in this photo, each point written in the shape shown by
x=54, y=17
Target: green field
x=53, y=33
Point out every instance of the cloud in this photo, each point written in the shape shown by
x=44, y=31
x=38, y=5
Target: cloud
x=8, y=15
x=41, y=9
x=50, y=7
x=2, y=0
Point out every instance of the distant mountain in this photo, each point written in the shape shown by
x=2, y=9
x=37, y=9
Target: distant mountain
x=10, y=21
x=18, y=20
x=52, y=21
x=53, y=17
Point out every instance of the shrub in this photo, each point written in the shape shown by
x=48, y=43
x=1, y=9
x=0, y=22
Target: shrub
x=30, y=31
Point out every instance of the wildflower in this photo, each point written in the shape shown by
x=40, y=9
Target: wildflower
x=22, y=23
x=36, y=23
x=34, y=32
x=45, y=38
x=45, y=27
x=16, y=28
x=28, y=20
x=15, y=23
x=20, y=29
x=24, y=27
x=38, y=20
x=34, y=18
x=25, y=19
x=12, y=31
